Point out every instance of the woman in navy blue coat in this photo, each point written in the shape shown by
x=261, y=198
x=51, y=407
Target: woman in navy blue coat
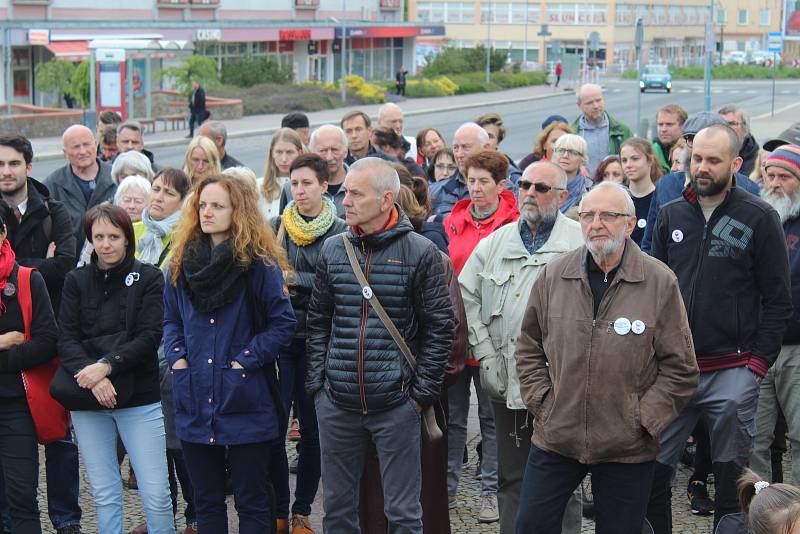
x=227, y=316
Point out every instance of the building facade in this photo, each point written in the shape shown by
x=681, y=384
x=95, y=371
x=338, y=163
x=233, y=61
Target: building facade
x=303, y=34
x=673, y=29
x=743, y=24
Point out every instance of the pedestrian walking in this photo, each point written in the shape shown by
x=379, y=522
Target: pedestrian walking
x=227, y=318
x=400, y=78
x=197, y=107
x=559, y=71
x=605, y=362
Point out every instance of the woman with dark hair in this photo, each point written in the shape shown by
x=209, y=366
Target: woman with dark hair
x=610, y=170
x=429, y=142
x=153, y=233
x=442, y=165
x=227, y=318
x=110, y=324
x=18, y=444
x=307, y=221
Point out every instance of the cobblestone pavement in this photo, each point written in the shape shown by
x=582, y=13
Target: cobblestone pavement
x=464, y=519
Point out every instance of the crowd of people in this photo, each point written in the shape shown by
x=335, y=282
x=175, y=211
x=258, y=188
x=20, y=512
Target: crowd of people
x=618, y=305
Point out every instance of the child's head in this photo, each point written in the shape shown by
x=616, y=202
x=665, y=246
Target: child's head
x=769, y=508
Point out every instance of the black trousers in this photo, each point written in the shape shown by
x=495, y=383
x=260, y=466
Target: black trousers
x=621, y=492
x=19, y=453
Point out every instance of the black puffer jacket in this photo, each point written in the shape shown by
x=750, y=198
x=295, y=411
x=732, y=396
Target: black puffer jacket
x=94, y=304
x=304, y=262
x=350, y=352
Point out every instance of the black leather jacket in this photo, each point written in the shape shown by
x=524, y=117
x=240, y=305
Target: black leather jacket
x=350, y=351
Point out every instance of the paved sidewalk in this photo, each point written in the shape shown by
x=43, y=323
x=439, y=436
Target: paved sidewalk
x=50, y=147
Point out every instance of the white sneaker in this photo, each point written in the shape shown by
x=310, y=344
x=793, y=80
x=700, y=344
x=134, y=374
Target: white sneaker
x=489, y=513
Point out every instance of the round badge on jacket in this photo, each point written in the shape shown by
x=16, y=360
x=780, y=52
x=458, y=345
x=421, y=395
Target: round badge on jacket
x=622, y=326
x=10, y=289
x=367, y=292
x=677, y=236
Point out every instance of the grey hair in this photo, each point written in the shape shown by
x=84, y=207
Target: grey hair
x=217, y=129
x=384, y=177
x=312, y=142
x=133, y=181
x=561, y=176
x=630, y=209
x=132, y=159
x=136, y=126
x=242, y=173
x=383, y=108
x=483, y=135
x=733, y=108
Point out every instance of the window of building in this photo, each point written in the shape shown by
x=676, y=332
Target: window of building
x=741, y=18
x=675, y=16
x=763, y=17
x=660, y=15
x=643, y=12
x=722, y=16
x=450, y=12
x=690, y=15
x=624, y=15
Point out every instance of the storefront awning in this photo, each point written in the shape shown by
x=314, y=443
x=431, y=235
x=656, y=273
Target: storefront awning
x=69, y=50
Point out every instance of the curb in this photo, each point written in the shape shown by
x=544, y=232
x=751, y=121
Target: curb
x=266, y=131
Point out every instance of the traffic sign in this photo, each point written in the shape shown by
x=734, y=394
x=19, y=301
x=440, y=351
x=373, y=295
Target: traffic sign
x=639, y=36
x=594, y=41
x=775, y=42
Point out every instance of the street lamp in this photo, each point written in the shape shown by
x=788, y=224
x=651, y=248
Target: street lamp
x=525, y=49
x=488, y=42
x=343, y=49
x=709, y=57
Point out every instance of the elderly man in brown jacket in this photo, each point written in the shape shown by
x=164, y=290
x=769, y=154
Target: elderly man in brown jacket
x=605, y=361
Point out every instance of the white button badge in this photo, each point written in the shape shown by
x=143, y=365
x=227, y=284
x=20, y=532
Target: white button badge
x=622, y=326
x=367, y=292
x=641, y=223
x=637, y=327
x=677, y=236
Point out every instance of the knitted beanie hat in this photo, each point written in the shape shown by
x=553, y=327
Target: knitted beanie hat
x=786, y=157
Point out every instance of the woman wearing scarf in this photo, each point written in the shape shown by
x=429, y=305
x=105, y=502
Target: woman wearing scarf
x=153, y=233
x=227, y=318
x=111, y=351
x=306, y=223
x=18, y=447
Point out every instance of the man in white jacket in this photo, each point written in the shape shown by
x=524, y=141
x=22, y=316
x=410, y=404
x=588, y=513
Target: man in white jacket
x=495, y=283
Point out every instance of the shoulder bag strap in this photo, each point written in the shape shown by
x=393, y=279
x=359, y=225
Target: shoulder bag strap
x=24, y=298
x=281, y=236
x=376, y=305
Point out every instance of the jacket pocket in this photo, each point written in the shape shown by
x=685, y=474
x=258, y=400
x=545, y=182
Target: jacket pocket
x=494, y=290
x=635, y=416
x=494, y=377
x=242, y=391
x=182, y=397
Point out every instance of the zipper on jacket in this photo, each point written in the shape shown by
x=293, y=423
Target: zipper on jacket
x=701, y=250
x=364, y=316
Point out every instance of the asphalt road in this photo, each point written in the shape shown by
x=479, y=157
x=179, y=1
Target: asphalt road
x=523, y=119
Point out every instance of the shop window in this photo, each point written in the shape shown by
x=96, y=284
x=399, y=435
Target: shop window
x=306, y=4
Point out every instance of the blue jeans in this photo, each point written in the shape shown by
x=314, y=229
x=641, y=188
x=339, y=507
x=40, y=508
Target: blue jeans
x=293, y=370
x=141, y=429
x=621, y=492
x=250, y=478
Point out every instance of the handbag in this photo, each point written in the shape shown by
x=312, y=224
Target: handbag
x=50, y=418
x=434, y=421
x=65, y=388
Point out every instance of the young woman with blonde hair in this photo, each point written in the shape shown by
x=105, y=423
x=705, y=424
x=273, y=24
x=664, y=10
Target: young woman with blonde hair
x=202, y=159
x=286, y=145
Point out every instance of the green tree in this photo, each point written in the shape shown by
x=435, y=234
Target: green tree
x=55, y=76
x=79, y=86
x=200, y=68
x=462, y=60
x=249, y=71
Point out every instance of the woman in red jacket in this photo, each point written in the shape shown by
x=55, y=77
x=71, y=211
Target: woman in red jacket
x=490, y=206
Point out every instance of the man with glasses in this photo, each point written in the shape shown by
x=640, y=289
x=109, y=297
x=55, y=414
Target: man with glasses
x=499, y=272
x=737, y=119
x=605, y=362
x=670, y=186
x=728, y=250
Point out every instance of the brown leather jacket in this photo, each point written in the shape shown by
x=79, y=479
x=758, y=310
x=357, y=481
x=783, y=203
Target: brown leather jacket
x=600, y=391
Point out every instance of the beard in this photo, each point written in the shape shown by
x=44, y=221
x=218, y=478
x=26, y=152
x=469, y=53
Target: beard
x=714, y=188
x=787, y=206
x=535, y=215
x=612, y=245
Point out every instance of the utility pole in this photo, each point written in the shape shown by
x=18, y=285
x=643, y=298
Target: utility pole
x=344, y=53
x=709, y=57
x=525, y=49
x=489, y=42
x=638, y=41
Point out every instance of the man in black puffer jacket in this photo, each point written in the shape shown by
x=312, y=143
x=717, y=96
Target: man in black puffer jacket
x=363, y=387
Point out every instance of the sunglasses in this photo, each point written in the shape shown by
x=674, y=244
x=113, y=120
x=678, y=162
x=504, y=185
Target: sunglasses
x=688, y=138
x=539, y=187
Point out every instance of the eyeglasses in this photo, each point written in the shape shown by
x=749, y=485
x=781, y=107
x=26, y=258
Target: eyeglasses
x=735, y=124
x=587, y=217
x=539, y=187
x=444, y=167
x=568, y=152
x=688, y=138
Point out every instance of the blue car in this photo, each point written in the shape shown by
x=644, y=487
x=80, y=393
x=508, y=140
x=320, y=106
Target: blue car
x=655, y=77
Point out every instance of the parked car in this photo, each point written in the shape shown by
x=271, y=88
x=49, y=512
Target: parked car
x=762, y=57
x=736, y=57
x=655, y=77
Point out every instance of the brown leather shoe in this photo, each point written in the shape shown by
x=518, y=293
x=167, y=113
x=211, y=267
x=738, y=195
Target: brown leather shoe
x=301, y=525
x=282, y=526
x=141, y=529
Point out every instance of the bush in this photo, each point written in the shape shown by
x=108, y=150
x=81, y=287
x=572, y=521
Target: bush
x=80, y=87
x=475, y=82
x=249, y=71
x=55, y=76
x=274, y=98
x=461, y=60
x=201, y=68
x=369, y=93
x=441, y=86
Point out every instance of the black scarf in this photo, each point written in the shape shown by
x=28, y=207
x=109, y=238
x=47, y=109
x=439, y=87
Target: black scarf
x=212, y=277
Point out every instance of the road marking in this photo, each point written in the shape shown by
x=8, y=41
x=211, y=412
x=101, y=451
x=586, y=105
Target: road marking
x=685, y=91
x=733, y=91
x=751, y=91
x=785, y=92
x=777, y=111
